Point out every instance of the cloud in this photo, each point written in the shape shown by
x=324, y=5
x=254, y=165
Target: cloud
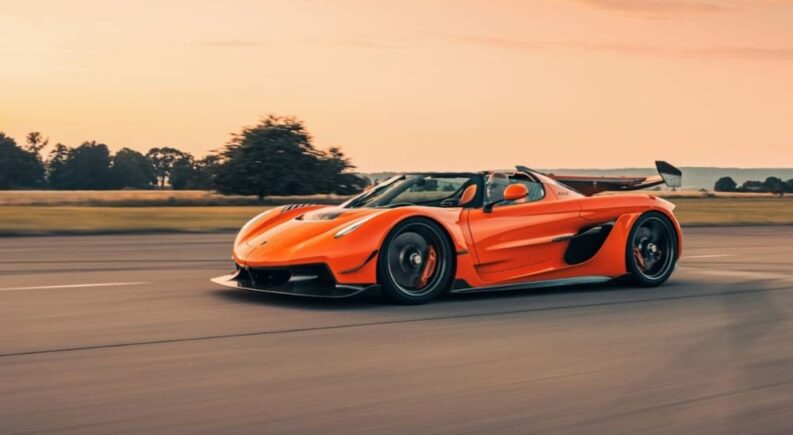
x=655, y=8
x=512, y=44
x=346, y=43
x=744, y=52
x=363, y=44
x=233, y=43
x=720, y=52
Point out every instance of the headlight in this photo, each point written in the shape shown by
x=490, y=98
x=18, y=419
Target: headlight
x=353, y=226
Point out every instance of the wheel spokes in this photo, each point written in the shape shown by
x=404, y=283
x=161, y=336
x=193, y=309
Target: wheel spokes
x=416, y=259
x=652, y=248
x=656, y=231
x=406, y=258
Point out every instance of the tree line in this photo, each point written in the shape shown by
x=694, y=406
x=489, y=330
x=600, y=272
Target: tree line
x=275, y=157
x=770, y=185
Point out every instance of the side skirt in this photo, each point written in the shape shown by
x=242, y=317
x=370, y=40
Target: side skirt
x=461, y=287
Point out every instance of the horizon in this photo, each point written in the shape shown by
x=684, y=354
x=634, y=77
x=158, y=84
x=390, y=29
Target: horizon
x=575, y=84
x=113, y=150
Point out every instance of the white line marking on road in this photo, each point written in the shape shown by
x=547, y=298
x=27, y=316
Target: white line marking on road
x=688, y=257
x=740, y=274
x=49, y=287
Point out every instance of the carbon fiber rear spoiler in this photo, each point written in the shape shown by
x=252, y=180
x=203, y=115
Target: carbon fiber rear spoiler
x=667, y=174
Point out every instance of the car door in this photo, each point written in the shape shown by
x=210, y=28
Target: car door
x=518, y=240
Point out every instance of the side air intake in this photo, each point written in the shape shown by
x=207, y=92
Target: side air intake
x=587, y=243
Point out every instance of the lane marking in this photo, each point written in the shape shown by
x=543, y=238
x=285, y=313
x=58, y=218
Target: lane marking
x=687, y=257
x=740, y=273
x=50, y=287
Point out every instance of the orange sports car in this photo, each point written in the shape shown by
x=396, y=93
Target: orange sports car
x=416, y=236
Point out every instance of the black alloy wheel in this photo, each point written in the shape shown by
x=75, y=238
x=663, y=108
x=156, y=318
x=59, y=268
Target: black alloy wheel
x=651, y=252
x=415, y=263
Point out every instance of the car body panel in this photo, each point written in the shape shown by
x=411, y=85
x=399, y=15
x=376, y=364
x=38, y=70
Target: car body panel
x=521, y=239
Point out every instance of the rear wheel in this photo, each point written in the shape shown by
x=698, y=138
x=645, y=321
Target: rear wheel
x=415, y=262
x=651, y=252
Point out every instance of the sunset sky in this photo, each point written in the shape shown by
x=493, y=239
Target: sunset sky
x=413, y=84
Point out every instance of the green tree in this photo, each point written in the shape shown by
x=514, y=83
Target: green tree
x=335, y=169
x=163, y=160
x=18, y=167
x=35, y=142
x=182, y=172
x=752, y=186
x=274, y=157
x=789, y=186
x=84, y=167
x=774, y=185
x=130, y=168
x=55, y=161
x=204, y=176
x=725, y=184
x=194, y=174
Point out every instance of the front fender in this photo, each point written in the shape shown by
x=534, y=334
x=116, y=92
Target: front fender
x=376, y=229
x=369, y=238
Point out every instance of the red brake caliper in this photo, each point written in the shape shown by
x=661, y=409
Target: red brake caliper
x=637, y=254
x=429, y=267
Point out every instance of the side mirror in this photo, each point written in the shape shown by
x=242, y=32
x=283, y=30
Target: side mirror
x=468, y=195
x=513, y=192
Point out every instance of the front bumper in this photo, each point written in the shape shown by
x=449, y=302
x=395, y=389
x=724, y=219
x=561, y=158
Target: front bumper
x=305, y=280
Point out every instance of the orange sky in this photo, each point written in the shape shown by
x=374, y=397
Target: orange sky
x=412, y=84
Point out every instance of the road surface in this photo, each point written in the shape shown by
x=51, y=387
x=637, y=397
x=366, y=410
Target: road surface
x=125, y=334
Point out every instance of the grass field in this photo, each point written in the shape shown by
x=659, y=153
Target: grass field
x=91, y=220
x=734, y=211
x=144, y=198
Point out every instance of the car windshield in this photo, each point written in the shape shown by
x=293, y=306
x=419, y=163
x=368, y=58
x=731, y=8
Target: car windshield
x=442, y=190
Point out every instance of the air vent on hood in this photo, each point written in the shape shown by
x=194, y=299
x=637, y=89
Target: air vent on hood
x=291, y=207
x=324, y=216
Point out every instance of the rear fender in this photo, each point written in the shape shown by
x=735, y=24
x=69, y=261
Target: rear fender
x=601, y=209
x=624, y=212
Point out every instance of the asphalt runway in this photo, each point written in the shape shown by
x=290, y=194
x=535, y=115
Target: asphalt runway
x=125, y=334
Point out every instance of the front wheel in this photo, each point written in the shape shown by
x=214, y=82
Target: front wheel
x=415, y=262
x=651, y=251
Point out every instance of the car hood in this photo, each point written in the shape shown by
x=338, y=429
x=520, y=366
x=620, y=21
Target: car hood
x=292, y=238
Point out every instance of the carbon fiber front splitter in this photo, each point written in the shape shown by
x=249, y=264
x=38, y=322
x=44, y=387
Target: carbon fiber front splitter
x=304, y=286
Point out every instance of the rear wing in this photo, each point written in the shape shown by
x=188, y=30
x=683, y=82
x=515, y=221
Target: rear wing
x=667, y=174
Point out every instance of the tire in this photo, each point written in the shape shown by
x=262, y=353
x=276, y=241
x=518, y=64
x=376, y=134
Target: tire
x=651, y=250
x=408, y=270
